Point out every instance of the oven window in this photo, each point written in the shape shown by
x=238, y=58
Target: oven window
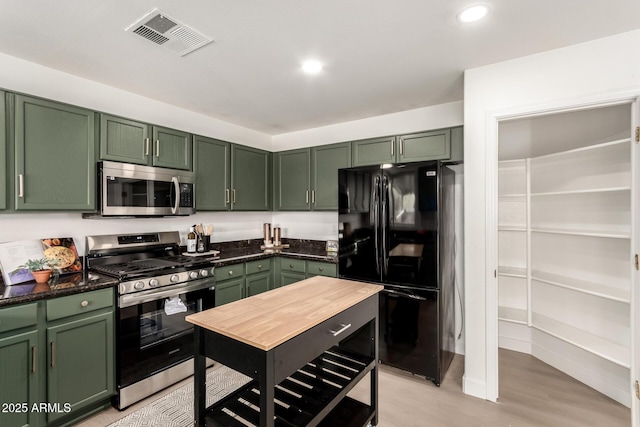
x=135, y=192
x=165, y=321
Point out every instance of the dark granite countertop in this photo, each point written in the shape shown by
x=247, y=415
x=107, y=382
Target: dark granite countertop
x=64, y=285
x=249, y=250
x=230, y=253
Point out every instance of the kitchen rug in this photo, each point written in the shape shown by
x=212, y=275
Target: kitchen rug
x=176, y=408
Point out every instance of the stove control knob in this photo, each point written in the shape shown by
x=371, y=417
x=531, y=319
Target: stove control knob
x=174, y=278
x=193, y=274
x=138, y=285
x=204, y=273
x=153, y=282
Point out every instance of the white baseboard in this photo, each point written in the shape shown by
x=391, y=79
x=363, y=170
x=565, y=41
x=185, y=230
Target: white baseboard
x=514, y=344
x=606, y=377
x=474, y=387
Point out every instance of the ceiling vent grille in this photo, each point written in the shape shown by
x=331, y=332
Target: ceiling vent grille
x=166, y=31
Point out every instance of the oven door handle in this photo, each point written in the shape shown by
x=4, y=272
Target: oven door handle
x=155, y=294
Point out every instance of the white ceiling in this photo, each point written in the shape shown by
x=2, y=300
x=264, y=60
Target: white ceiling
x=380, y=56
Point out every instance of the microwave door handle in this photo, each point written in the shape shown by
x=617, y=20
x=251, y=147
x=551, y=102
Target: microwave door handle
x=176, y=203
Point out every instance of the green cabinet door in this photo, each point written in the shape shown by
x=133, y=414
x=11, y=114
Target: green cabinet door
x=289, y=277
x=250, y=179
x=18, y=378
x=211, y=160
x=258, y=283
x=80, y=362
x=293, y=180
x=375, y=151
x=433, y=145
x=3, y=152
x=124, y=140
x=230, y=290
x=171, y=148
x=317, y=268
x=54, y=161
x=326, y=160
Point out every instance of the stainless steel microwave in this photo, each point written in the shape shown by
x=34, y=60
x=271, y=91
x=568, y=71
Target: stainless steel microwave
x=134, y=190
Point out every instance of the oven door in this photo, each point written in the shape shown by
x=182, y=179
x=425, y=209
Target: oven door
x=152, y=333
x=128, y=189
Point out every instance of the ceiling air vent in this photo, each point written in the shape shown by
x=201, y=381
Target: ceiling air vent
x=167, y=32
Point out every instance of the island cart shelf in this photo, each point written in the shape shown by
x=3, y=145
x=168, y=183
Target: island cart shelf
x=305, y=346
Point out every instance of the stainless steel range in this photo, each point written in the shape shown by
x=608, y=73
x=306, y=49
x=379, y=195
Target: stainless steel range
x=157, y=288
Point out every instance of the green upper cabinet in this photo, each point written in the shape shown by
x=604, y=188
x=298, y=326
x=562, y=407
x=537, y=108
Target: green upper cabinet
x=54, y=156
x=124, y=140
x=375, y=151
x=325, y=162
x=457, y=145
x=250, y=179
x=307, y=178
x=293, y=178
x=3, y=151
x=171, y=148
x=212, y=165
x=432, y=145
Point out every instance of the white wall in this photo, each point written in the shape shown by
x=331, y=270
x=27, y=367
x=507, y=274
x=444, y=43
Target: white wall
x=419, y=119
x=33, y=79
x=563, y=76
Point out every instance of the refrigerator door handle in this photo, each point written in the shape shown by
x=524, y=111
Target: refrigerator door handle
x=385, y=218
x=403, y=294
x=375, y=205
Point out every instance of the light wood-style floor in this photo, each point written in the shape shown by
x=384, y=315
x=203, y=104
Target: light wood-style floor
x=532, y=394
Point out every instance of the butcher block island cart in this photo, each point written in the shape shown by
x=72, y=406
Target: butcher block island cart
x=304, y=345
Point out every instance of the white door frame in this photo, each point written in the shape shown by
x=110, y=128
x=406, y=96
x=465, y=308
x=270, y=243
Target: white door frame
x=491, y=195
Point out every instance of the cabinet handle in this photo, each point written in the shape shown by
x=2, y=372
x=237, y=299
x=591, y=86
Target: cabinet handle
x=234, y=196
x=34, y=353
x=146, y=146
x=313, y=196
x=21, y=185
x=401, y=145
x=84, y=303
x=259, y=266
x=306, y=197
x=343, y=328
x=53, y=354
x=158, y=148
x=290, y=265
x=320, y=269
x=226, y=197
x=230, y=272
x=393, y=140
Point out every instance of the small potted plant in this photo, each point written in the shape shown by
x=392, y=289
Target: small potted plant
x=40, y=269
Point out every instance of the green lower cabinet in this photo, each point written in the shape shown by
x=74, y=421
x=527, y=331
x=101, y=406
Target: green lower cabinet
x=258, y=283
x=80, y=363
x=288, y=277
x=229, y=291
x=58, y=357
x=315, y=268
x=19, y=375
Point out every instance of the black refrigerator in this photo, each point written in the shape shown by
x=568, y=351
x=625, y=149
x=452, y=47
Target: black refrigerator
x=396, y=228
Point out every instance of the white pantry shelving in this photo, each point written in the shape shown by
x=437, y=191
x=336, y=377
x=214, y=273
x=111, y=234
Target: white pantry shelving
x=564, y=251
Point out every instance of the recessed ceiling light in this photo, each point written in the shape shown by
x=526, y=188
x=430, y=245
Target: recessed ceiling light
x=473, y=13
x=312, y=66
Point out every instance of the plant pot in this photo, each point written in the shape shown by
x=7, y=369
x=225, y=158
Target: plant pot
x=41, y=276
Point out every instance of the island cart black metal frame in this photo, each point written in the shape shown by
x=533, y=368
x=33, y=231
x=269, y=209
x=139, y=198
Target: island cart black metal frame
x=310, y=373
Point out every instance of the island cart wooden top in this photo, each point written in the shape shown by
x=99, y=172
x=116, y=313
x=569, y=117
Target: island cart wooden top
x=268, y=319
